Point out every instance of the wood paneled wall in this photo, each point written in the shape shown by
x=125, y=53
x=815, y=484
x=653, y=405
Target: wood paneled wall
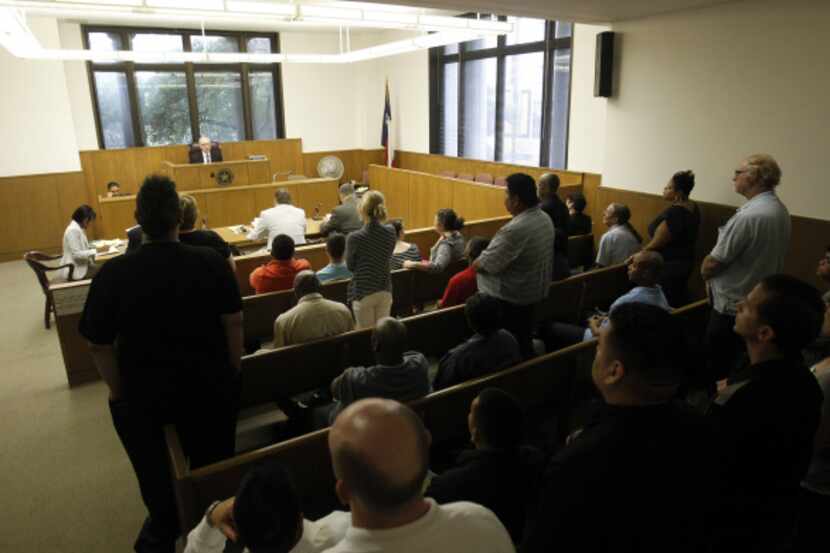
x=809, y=236
x=415, y=197
x=434, y=164
x=36, y=210
x=354, y=162
x=222, y=207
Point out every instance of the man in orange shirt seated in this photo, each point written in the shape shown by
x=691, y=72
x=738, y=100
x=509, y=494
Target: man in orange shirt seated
x=463, y=285
x=278, y=274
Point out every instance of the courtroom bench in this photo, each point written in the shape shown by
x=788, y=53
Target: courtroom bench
x=547, y=379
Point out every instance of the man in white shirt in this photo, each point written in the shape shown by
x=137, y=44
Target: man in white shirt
x=313, y=317
x=265, y=515
x=76, y=248
x=380, y=453
x=208, y=152
x=751, y=246
x=283, y=218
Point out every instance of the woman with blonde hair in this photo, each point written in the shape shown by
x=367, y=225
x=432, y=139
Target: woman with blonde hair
x=368, y=254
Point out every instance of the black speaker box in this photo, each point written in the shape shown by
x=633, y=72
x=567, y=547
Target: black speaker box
x=604, y=65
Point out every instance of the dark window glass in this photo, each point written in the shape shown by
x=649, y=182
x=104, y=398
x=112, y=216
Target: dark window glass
x=450, y=115
x=219, y=98
x=480, y=109
x=153, y=42
x=263, y=105
x=114, y=109
x=163, y=107
x=560, y=107
x=259, y=45
x=208, y=43
x=522, y=114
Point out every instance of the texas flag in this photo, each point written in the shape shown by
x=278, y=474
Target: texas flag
x=387, y=122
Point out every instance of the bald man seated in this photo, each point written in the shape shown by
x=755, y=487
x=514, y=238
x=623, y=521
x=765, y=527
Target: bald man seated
x=399, y=374
x=380, y=454
x=313, y=317
x=644, y=271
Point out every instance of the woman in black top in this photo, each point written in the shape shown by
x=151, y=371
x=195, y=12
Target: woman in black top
x=674, y=234
x=578, y=222
x=188, y=234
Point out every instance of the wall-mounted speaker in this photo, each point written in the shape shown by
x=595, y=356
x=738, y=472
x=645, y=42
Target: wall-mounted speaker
x=604, y=65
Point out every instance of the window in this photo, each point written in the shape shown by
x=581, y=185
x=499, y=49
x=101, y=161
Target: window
x=146, y=103
x=506, y=98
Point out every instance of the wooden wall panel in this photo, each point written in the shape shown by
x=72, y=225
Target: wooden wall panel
x=228, y=207
x=322, y=195
x=37, y=209
x=434, y=164
x=427, y=194
x=115, y=216
x=354, y=162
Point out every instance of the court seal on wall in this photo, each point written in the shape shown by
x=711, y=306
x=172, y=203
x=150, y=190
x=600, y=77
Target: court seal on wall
x=224, y=177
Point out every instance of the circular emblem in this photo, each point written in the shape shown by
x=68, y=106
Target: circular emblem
x=224, y=177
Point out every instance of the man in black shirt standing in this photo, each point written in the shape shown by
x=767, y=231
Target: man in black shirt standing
x=637, y=478
x=766, y=417
x=548, y=188
x=165, y=330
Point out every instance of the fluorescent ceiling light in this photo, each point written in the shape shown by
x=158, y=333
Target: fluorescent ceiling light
x=330, y=12
x=188, y=4
x=261, y=7
x=106, y=2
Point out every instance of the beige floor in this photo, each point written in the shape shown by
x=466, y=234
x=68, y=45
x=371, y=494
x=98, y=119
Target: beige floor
x=65, y=482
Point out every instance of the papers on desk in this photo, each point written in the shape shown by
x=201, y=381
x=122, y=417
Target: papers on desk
x=239, y=229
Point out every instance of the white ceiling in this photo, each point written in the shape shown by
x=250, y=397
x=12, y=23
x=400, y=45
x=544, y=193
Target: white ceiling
x=582, y=11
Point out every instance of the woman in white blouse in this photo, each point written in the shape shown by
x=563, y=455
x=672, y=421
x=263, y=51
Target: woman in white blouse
x=76, y=247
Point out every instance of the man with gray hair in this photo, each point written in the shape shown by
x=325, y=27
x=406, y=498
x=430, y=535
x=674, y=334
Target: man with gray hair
x=380, y=455
x=283, y=218
x=345, y=217
x=752, y=245
x=313, y=317
x=208, y=152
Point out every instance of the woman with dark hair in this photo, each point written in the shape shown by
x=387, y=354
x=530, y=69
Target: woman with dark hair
x=578, y=223
x=621, y=241
x=450, y=245
x=76, y=248
x=404, y=251
x=674, y=234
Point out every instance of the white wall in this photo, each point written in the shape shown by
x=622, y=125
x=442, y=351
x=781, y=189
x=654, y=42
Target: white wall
x=586, y=133
x=37, y=134
x=77, y=84
x=702, y=89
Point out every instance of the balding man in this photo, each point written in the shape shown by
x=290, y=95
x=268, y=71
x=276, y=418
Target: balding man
x=343, y=218
x=644, y=270
x=380, y=454
x=313, y=317
x=552, y=204
x=208, y=152
x=751, y=245
x=399, y=374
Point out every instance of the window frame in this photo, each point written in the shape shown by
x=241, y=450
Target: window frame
x=190, y=69
x=548, y=46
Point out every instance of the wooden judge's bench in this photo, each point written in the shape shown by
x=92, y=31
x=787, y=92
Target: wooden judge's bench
x=198, y=176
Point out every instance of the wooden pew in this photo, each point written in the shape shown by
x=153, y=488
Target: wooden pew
x=581, y=251
x=543, y=380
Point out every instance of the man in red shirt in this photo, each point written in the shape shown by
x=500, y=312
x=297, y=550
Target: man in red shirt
x=278, y=274
x=463, y=285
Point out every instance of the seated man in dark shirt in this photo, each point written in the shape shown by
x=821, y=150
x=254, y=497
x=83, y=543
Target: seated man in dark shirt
x=767, y=415
x=638, y=477
x=176, y=314
x=548, y=188
x=399, y=374
x=188, y=234
x=498, y=474
x=490, y=349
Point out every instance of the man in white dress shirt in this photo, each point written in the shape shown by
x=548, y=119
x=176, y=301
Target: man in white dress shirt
x=264, y=516
x=283, y=218
x=380, y=453
x=208, y=152
x=76, y=248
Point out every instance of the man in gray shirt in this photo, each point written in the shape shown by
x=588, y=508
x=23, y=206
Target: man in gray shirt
x=399, y=374
x=750, y=246
x=343, y=218
x=517, y=266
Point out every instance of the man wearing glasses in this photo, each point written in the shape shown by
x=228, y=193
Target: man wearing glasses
x=750, y=246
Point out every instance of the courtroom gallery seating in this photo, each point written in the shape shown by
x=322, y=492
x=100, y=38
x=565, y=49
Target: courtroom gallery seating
x=545, y=380
x=485, y=178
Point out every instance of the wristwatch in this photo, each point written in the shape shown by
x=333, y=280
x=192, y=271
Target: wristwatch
x=209, y=511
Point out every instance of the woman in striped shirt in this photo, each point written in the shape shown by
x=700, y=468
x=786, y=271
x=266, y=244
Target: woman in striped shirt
x=368, y=254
